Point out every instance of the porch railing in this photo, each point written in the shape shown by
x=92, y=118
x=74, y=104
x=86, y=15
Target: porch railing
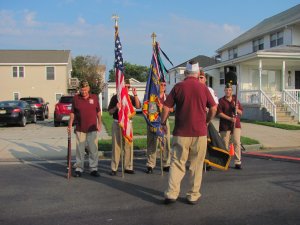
x=261, y=98
x=291, y=100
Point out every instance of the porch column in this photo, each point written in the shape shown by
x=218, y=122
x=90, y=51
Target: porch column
x=259, y=72
x=283, y=76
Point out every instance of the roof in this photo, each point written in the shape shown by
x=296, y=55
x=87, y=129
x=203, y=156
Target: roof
x=273, y=23
x=34, y=56
x=203, y=61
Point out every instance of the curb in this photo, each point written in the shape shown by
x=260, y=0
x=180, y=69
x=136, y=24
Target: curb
x=272, y=157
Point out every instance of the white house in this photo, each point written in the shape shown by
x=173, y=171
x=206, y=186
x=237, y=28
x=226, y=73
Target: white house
x=110, y=90
x=266, y=60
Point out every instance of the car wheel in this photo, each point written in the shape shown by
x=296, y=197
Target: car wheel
x=43, y=116
x=47, y=114
x=23, y=121
x=56, y=124
x=34, y=119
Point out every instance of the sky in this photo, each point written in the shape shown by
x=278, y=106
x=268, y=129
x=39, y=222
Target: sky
x=184, y=29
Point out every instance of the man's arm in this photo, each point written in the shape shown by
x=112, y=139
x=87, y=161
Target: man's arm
x=211, y=113
x=224, y=116
x=165, y=114
x=136, y=99
x=71, y=120
x=99, y=124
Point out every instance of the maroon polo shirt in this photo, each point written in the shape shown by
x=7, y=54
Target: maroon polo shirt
x=191, y=99
x=85, y=111
x=113, y=102
x=227, y=107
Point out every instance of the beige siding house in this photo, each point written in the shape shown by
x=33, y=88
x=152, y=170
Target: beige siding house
x=35, y=73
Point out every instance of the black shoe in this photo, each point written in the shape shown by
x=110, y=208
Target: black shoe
x=149, y=170
x=113, y=173
x=129, y=171
x=77, y=174
x=238, y=166
x=95, y=173
x=166, y=169
x=192, y=202
x=169, y=201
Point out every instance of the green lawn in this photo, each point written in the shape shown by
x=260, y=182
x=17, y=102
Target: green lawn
x=139, y=128
x=272, y=124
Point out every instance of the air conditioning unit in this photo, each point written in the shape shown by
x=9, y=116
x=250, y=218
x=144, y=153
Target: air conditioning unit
x=73, y=82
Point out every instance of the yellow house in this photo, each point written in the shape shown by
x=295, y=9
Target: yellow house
x=35, y=73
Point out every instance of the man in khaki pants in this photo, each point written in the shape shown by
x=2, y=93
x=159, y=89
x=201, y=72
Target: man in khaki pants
x=230, y=125
x=190, y=132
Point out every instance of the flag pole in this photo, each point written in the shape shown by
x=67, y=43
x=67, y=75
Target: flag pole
x=116, y=17
x=153, y=35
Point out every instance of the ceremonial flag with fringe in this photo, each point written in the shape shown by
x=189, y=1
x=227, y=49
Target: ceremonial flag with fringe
x=126, y=112
x=151, y=102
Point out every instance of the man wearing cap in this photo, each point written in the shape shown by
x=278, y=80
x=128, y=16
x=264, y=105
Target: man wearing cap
x=153, y=142
x=230, y=124
x=113, y=110
x=190, y=132
x=87, y=114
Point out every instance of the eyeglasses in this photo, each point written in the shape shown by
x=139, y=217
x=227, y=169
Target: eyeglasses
x=163, y=85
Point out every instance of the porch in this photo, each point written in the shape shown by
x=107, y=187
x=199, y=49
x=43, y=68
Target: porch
x=277, y=106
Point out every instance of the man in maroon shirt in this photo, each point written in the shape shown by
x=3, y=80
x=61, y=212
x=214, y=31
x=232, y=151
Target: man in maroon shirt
x=113, y=109
x=86, y=112
x=230, y=125
x=190, y=132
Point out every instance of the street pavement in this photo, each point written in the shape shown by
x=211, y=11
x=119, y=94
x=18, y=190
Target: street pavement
x=34, y=188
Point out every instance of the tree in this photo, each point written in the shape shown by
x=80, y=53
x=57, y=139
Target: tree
x=137, y=72
x=89, y=68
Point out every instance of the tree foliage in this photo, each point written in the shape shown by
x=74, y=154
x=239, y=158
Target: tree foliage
x=137, y=72
x=91, y=69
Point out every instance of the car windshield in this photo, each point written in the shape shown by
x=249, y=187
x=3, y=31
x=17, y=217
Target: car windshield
x=66, y=99
x=30, y=100
x=9, y=103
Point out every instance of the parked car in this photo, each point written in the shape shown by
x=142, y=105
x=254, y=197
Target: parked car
x=41, y=107
x=17, y=112
x=62, y=110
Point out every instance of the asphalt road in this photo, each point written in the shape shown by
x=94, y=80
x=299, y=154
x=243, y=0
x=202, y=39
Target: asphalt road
x=35, y=191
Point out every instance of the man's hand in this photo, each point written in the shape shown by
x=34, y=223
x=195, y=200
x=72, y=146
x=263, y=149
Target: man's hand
x=134, y=92
x=69, y=129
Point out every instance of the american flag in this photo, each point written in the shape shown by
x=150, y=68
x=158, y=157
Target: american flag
x=126, y=111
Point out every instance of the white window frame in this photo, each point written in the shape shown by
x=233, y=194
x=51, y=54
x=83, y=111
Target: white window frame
x=276, y=39
x=56, y=95
x=18, y=71
x=258, y=44
x=47, y=72
x=222, y=78
x=18, y=94
x=232, y=53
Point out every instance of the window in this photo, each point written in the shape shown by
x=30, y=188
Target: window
x=222, y=78
x=232, y=53
x=258, y=44
x=16, y=95
x=276, y=39
x=50, y=73
x=18, y=71
x=58, y=96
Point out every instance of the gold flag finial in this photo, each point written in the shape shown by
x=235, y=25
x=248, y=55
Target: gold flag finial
x=153, y=35
x=115, y=17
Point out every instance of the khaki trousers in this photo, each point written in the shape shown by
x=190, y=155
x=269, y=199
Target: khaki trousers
x=116, y=149
x=154, y=144
x=183, y=149
x=92, y=141
x=234, y=138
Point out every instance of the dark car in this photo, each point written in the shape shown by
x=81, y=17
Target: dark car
x=16, y=112
x=41, y=107
x=62, y=110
